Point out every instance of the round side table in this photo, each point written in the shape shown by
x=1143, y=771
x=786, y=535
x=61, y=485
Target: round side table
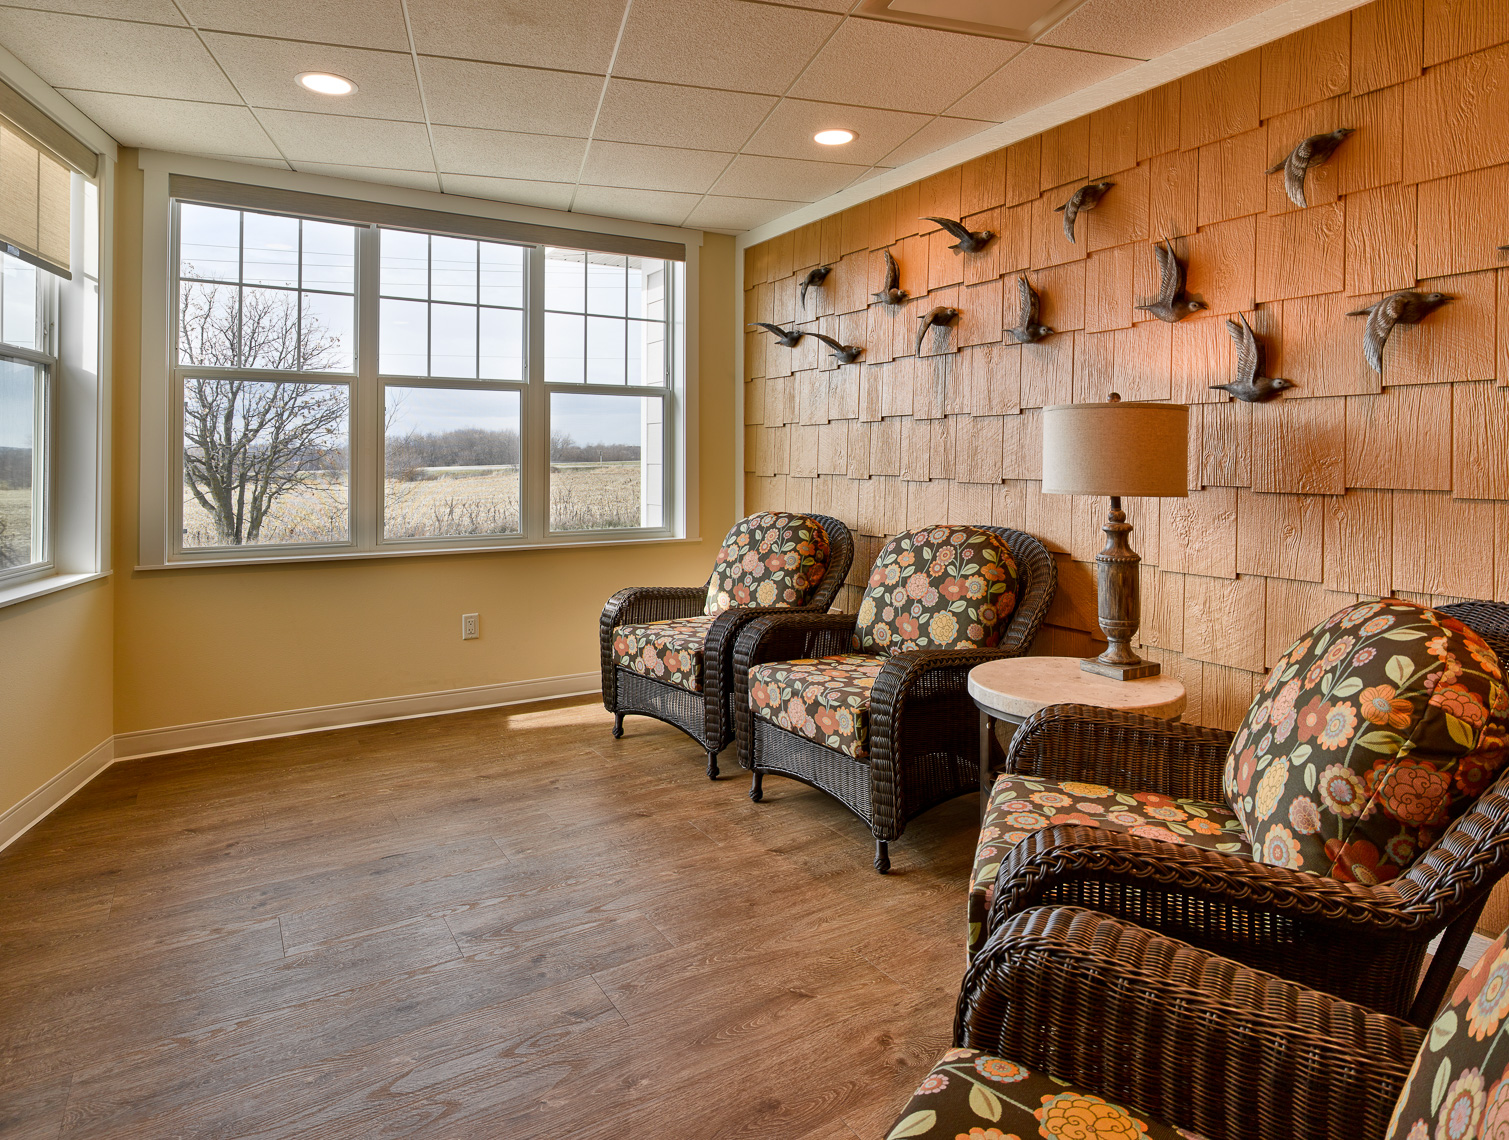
x=1012, y=689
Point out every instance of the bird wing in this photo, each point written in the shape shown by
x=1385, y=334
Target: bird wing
x=828, y=340
x=1170, y=273
x=1071, y=211
x=921, y=332
x=892, y=273
x=1030, y=303
x=1381, y=321
x=776, y=329
x=1295, y=167
x=955, y=228
x=1249, y=351
x=806, y=281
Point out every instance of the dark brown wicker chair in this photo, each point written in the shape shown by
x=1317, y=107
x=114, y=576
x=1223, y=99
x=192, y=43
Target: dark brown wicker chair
x=1363, y=943
x=924, y=737
x=706, y=716
x=1171, y=1032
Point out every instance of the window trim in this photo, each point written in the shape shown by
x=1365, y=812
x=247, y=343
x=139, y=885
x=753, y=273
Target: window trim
x=484, y=220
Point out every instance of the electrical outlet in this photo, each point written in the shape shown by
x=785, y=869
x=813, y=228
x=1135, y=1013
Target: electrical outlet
x=469, y=627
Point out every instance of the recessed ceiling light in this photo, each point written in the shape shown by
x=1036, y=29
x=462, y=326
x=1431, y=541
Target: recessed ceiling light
x=323, y=83
x=836, y=137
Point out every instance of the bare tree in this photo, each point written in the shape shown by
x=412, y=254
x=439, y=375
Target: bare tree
x=247, y=443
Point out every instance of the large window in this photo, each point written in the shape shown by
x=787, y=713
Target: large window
x=345, y=388
x=27, y=367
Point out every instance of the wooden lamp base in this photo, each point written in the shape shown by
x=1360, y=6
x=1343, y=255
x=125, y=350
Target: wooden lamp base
x=1119, y=601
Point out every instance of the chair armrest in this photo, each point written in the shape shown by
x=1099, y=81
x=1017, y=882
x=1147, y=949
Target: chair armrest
x=1193, y=1039
x=635, y=604
x=1125, y=750
x=785, y=636
x=718, y=660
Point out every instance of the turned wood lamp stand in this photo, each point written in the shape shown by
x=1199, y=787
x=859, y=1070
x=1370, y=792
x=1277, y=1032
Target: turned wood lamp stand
x=1121, y=447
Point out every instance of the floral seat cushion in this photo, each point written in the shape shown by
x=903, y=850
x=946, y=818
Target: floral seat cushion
x=669, y=651
x=1372, y=733
x=1019, y=806
x=770, y=559
x=970, y=1095
x=946, y=587
x=826, y=699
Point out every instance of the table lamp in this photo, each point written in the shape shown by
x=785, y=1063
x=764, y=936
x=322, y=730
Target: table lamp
x=1121, y=447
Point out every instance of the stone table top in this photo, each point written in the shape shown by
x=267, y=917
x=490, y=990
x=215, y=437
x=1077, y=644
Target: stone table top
x=1019, y=686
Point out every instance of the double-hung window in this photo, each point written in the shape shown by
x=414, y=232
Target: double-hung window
x=358, y=387
x=28, y=366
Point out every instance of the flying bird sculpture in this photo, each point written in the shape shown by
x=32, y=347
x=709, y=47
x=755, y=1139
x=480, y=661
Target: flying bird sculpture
x=1312, y=152
x=843, y=353
x=1085, y=198
x=941, y=317
x=1029, y=327
x=1406, y=307
x=814, y=279
x=891, y=293
x=970, y=241
x=786, y=337
x=1250, y=385
x=1172, y=305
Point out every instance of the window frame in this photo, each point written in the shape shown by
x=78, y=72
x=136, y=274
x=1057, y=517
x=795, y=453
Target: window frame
x=45, y=421
x=161, y=532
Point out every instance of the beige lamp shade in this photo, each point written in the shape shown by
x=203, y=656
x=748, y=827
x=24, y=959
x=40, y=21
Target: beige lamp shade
x=1121, y=448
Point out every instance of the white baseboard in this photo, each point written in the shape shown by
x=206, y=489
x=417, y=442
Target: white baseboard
x=17, y=820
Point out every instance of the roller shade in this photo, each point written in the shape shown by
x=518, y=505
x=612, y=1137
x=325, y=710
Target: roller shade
x=35, y=201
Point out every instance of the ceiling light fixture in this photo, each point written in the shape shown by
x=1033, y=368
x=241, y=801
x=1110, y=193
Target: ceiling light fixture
x=835, y=137
x=323, y=83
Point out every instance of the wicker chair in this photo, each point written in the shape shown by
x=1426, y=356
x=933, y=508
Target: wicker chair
x=1365, y=943
x=923, y=744
x=1064, y=1007
x=703, y=715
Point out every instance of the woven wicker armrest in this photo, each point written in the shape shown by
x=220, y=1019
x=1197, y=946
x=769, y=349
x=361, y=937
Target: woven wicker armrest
x=921, y=675
x=1129, y=751
x=1196, y=1040
x=635, y=604
x=783, y=636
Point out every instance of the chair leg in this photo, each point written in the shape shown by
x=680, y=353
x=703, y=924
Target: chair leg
x=712, y=763
x=882, y=856
x=618, y=726
x=756, y=790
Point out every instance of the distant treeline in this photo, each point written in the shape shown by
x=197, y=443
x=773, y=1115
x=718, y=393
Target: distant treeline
x=15, y=467
x=474, y=447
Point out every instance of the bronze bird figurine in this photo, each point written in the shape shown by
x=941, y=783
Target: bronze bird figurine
x=1406, y=307
x=1029, y=330
x=891, y=293
x=1172, y=305
x=1250, y=385
x=969, y=241
x=814, y=277
x=843, y=353
x=1085, y=198
x=942, y=316
x=786, y=337
x=1312, y=152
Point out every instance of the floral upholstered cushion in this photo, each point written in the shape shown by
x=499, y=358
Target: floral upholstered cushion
x=1373, y=732
x=826, y=699
x=971, y=1095
x=1019, y=806
x=771, y=559
x=669, y=651
x=940, y=588
x=1459, y=1086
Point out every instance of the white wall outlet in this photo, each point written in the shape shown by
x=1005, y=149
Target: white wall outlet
x=469, y=627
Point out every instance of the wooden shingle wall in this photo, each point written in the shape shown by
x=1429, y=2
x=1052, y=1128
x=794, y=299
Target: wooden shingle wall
x=1344, y=487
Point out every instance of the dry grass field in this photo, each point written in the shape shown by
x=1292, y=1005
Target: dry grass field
x=15, y=526
x=585, y=496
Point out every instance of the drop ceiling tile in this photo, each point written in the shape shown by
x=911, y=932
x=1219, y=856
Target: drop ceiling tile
x=508, y=154
x=550, y=195
x=175, y=124
x=113, y=55
x=357, y=142
x=354, y=23
x=572, y=35
x=735, y=215
x=900, y=68
x=788, y=132
x=464, y=94
x=263, y=71
x=148, y=11
x=787, y=179
x=720, y=43
x=815, y=5
x=667, y=115
x=939, y=133
x=652, y=167
x=413, y=179
x=1149, y=28
x=635, y=205
x=1038, y=76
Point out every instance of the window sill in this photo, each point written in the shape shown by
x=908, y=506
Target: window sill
x=38, y=587
x=364, y=555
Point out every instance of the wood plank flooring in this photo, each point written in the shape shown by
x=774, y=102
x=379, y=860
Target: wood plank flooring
x=499, y=924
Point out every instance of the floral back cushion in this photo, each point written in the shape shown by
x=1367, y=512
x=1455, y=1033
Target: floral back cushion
x=946, y=587
x=771, y=559
x=1459, y=1086
x=1373, y=732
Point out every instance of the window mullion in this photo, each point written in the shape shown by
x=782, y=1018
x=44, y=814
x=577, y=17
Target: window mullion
x=366, y=400
x=534, y=468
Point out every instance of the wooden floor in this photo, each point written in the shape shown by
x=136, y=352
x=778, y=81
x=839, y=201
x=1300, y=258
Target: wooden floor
x=500, y=924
